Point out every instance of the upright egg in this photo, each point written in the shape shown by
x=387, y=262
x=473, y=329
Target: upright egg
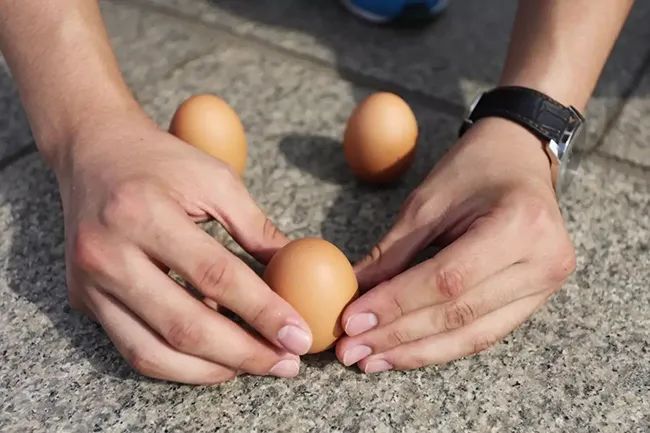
x=316, y=278
x=210, y=124
x=380, y=138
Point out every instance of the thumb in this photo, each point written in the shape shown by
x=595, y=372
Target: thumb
x=413, y=231
x=248, y=225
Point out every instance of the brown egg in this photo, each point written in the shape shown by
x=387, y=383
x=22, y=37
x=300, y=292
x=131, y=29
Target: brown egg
x=317, y=279
x=210, y=124
x=380, y=137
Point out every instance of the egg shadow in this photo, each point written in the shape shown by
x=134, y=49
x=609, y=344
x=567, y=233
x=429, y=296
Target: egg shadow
x=361, y=212
x=321, y=157
x=319, y=360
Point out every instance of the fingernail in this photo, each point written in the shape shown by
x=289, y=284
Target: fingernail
x=294, y=339
x=285, y=368
x=360, y=323
x=355, y=354
x=377, y=365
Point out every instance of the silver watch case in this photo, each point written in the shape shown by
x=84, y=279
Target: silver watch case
x=573, y=137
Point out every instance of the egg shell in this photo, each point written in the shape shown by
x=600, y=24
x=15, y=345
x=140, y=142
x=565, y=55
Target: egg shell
x=316, y=278
x=210, y=124
x=380, y=138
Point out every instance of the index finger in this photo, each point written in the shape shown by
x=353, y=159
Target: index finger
x=221, y=276
x=485, y=249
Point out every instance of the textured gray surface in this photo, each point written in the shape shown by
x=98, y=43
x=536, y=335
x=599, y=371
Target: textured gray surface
x=14, y=128
x=629, y=138
x=452, y=59
x=294, y=117
x=582, y=363
x=149, y=46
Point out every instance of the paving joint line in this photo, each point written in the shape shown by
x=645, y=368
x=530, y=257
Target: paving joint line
x=346, y=74
x=625, y=97
x=632, y=164
x=21, y=153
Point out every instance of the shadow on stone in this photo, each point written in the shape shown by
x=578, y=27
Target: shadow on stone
x=319, y=360
x=321, y=157
x=36, y=264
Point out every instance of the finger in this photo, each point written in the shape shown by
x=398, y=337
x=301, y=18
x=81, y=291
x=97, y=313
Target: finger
x=414, y=229
x=236, y=210
x=509, y=285
x=221, y=276
x=211, y=303
x=392, y=254
x=147, y=353
x=490, y=245
x=189, y=326
x=448, y=346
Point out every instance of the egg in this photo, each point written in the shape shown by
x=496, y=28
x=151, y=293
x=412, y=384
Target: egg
x=380, y=137
x=316, y=278
x=210, y=124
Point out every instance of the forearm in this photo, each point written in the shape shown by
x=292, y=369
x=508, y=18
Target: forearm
x=66, y=73
x=560, y=47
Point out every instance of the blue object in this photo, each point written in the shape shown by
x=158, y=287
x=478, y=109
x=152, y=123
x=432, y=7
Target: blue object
x=384, y=11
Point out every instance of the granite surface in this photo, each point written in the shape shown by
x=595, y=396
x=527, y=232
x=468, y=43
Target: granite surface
x=14, y=128
x=629, y=138
x=582, y=363
x=439, y=61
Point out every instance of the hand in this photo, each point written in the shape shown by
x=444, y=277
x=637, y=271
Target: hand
x=131, y=196
x=490, y=204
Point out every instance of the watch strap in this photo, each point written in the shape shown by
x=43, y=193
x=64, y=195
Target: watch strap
x=541, y=114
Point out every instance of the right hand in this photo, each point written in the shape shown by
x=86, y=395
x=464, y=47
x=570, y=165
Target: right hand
x=131, y=195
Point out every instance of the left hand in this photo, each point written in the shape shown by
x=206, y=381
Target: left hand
x=490, y=204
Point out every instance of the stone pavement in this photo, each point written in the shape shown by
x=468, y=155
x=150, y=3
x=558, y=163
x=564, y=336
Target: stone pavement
x=294, y=70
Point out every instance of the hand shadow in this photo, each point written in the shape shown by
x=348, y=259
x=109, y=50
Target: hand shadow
x=36, y=265
x=321, y=157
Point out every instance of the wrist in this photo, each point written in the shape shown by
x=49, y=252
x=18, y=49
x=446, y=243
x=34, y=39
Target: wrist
x=508, y=149
x=59, y=137
x=61, y=144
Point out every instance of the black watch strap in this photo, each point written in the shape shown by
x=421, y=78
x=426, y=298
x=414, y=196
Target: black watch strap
x=542, y=115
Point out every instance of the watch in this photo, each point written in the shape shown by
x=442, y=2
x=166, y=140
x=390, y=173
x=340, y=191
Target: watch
x=559, y=126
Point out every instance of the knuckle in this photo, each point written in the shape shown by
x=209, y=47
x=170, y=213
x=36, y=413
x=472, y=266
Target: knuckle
x=458, y=314
x=450, y=282
x=419, y=209
x=258, y=318
x=88, y=251
x=564, y=263
x=376, y=253
x=213, y=278
x=415, y=361
x=184, y=336
x=398, y=309
x=536, y=215
x=228, y=180
x=220, y=376
x=249, y=363
x=397, y=337
x=483, y=342
x=126, y=204
x=140, y=362
x=269, y=230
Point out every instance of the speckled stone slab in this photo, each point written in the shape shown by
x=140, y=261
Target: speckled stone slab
x=14, y=128
x=629, y=137
x=452, y=59
x=582, y=363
